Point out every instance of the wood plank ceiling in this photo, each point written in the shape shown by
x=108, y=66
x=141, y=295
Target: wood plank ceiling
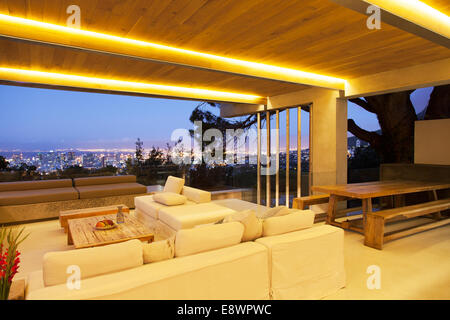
x=310, y=35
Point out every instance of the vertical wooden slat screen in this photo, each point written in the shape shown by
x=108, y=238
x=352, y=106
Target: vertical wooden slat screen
x=277, y=154
x=258, y=156
x=287, y=156
x=299, y=152
x=268, y=159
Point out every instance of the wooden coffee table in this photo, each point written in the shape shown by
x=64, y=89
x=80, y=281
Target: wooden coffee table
x=67, y=215
x=82, y=233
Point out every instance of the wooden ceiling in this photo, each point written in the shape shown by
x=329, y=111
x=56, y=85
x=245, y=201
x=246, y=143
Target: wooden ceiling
x=311, y=35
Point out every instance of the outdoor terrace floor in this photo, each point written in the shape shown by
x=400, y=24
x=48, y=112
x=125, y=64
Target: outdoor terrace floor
x=415, y=267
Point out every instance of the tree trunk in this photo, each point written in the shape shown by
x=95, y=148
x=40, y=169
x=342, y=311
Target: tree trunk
x=396, y=116
x=439, y=105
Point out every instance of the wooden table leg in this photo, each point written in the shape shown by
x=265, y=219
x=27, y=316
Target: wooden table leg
x=433, y=197
x=366, y=208
x=69, y=238
x=332, y=208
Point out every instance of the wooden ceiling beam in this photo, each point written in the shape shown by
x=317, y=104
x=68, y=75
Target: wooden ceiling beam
x=30, y=30
x=411, y=16
x=420, y=76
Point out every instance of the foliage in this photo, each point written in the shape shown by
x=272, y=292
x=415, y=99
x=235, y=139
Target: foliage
x=3, y=163
x=10, y=238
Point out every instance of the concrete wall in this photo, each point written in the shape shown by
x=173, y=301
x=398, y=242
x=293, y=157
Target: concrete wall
x=432, y=141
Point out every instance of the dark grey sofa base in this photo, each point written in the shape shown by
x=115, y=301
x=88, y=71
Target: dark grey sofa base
x=49, y=210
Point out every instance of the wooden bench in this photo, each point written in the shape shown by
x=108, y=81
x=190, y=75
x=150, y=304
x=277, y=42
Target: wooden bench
x=65, y=216
x=302, y=202
x=374, y=229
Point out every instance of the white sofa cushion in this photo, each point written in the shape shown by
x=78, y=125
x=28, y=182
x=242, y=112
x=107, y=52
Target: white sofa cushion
x=206, y=238
x=196, y=195
x=169, y=198
x=174, y=184
x=238, y=272
x=252, y=225
x=297, y=220
x=274, y=212
x=184, y=217
x=306, y=264
x=150, y=207
x=159, y=250
x=92, y=261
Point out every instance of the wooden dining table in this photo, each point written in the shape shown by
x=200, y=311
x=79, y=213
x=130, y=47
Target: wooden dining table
x=367, y=191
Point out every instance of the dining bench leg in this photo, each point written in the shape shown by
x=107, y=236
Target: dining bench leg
x=374, y=232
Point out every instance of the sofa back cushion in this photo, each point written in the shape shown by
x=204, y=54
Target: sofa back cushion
x=208, y=237
x=159, y=250
x=169, y=198
x=297, y=220
x=91, y=261
x=196, y=195
x=252, y=225
x=35, y=185
x=173, y=184
x=91, y=181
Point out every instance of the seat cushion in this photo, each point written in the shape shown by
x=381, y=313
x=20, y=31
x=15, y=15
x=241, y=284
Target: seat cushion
x=90, y=181
x=184, y=217
x=92, y=261
x=148, y=206
x=9, y=198
x=107, y=190
x=207, y=238
x=35, y=185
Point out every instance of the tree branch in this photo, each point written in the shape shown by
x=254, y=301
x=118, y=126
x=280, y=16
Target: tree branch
x=371, y=137
x=363, y=104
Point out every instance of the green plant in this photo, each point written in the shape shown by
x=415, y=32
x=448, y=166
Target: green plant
x=10, y=238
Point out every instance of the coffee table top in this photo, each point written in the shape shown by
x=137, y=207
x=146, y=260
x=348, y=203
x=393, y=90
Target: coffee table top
x=84, y=234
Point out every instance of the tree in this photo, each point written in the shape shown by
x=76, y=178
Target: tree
x=139, y=150
x=396, y=116
x=3, y=164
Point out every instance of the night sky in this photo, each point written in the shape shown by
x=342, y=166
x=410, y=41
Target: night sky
x=43, y=119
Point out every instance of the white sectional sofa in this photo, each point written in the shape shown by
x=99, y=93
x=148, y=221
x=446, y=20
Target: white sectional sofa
x=198, y=209
x=305, y=264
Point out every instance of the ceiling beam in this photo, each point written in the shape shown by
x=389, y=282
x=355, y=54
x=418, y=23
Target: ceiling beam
x=83, y=83
x=230, y=110
x=420, y=76
x=408, y=15
x=30, y=30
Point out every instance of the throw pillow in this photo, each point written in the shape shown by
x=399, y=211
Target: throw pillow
x=174, y=184
x=274, y=212
x=169, y=198
x=159, y=250
x=252, y=225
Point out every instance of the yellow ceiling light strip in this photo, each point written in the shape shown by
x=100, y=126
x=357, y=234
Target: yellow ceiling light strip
x=50, y=33
x=78, y=81
x=416, y=12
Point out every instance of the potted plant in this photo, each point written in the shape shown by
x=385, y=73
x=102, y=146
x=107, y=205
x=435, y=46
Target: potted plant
x=10, y=238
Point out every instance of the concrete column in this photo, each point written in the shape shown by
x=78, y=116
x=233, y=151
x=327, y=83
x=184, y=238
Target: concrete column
x=329, y=139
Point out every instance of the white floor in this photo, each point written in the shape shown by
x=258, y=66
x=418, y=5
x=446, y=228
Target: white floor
x=415, y=267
